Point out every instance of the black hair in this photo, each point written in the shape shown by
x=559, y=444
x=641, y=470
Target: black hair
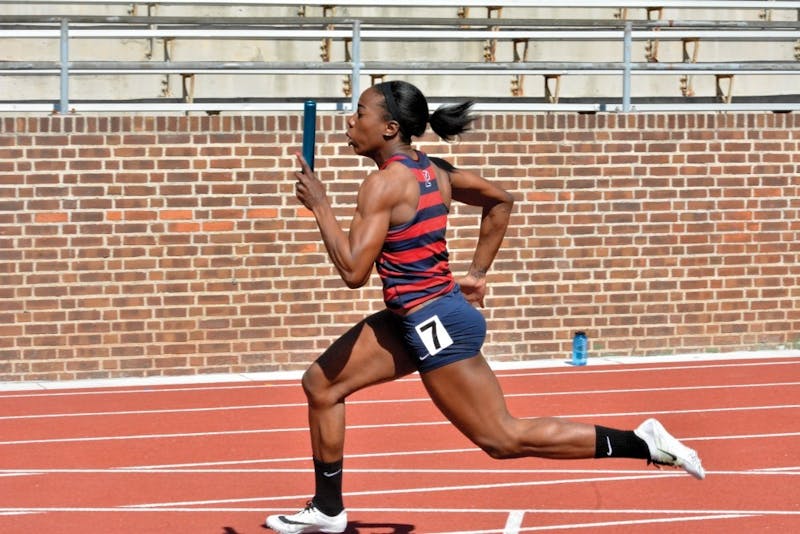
x=442, y=163
x=406, y=105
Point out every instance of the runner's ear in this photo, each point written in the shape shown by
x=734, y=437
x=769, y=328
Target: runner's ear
x=392, y=129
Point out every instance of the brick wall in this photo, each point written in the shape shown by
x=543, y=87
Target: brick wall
x=136, y=246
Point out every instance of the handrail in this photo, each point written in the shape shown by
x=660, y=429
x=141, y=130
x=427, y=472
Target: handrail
x=270, y=106
x=677, y=4
x=387, y=29
x=357, y=30
x=388, y=67
x=461, y=35
x=388, y=22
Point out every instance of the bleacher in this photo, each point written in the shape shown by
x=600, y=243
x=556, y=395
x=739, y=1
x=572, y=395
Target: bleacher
x=244, y=56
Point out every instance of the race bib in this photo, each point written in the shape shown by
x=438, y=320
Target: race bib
x=433, y=335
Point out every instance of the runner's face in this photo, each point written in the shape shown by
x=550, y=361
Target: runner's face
x=367, y=126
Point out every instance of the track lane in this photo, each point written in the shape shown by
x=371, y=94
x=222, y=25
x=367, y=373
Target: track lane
x=741, y=432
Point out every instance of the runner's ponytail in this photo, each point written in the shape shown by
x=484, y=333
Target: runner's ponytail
x=450, y=121
x=406, y=105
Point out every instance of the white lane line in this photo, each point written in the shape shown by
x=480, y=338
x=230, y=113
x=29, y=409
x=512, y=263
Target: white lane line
x=594, y=511
x=289, y=378
x=744, y=436
x=604, y=524
x=624, y=367
x=113, y=509
x=790, y=470
x=771, y=472
x=388, y=401
x=638, y=522
x=514, y=522
x=407, y=425
x=386, y=454
x=424, y=490
x=159, y=411
x=396, y=471
x=121, y=387
x=674, y=516
x=204, y=434
x=168, y=383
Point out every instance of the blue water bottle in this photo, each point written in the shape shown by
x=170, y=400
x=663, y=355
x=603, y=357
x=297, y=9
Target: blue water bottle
x=580, y=346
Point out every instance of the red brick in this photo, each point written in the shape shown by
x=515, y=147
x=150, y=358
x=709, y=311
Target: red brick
x=51, y=217
x=660, y=245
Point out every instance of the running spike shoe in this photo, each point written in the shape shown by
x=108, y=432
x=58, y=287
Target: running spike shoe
x=309, y=519
x=666, y=450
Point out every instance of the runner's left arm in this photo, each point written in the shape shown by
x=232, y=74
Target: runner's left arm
x=472, y=189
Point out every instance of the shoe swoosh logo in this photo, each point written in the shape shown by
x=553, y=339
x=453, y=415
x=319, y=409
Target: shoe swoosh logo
x=288, y=521
x=674, y=458
x=608, y=441
x=330, y=475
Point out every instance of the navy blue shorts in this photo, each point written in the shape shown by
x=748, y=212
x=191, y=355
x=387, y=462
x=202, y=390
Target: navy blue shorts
x=445, y=331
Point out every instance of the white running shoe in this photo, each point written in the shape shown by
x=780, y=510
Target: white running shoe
x=666, y=450
x=309, y=519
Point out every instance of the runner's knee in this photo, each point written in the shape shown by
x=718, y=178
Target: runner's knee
x=500, y=448
x=318, y=390
x=501, y=443
x=520, y=437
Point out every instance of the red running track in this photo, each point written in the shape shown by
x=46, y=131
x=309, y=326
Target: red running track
x=216, y=458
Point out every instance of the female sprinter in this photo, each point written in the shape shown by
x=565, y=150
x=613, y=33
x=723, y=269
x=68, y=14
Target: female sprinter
x=430, y=323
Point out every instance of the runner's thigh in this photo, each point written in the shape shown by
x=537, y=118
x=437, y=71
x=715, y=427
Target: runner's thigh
x=369, y=353
x=468, y=394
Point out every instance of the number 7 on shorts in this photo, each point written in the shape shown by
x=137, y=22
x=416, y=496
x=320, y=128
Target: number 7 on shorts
x=434, y=335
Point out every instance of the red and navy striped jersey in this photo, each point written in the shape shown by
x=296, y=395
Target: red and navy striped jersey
x=413, y=264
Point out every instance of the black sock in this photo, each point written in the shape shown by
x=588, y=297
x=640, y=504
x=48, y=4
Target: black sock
x=328, y=495
x=611, y=443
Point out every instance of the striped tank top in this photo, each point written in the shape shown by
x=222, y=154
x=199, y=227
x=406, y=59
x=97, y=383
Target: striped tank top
x=413, y=263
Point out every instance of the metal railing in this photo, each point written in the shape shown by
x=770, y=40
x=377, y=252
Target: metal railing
x=676, y=4
x=359, y=30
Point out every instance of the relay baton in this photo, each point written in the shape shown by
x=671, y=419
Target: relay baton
x=309, y=131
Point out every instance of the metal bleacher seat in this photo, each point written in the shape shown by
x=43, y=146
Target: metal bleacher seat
x=459, y=39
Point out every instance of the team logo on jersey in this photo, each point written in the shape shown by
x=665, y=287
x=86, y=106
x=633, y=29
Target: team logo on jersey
x=427, y=177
